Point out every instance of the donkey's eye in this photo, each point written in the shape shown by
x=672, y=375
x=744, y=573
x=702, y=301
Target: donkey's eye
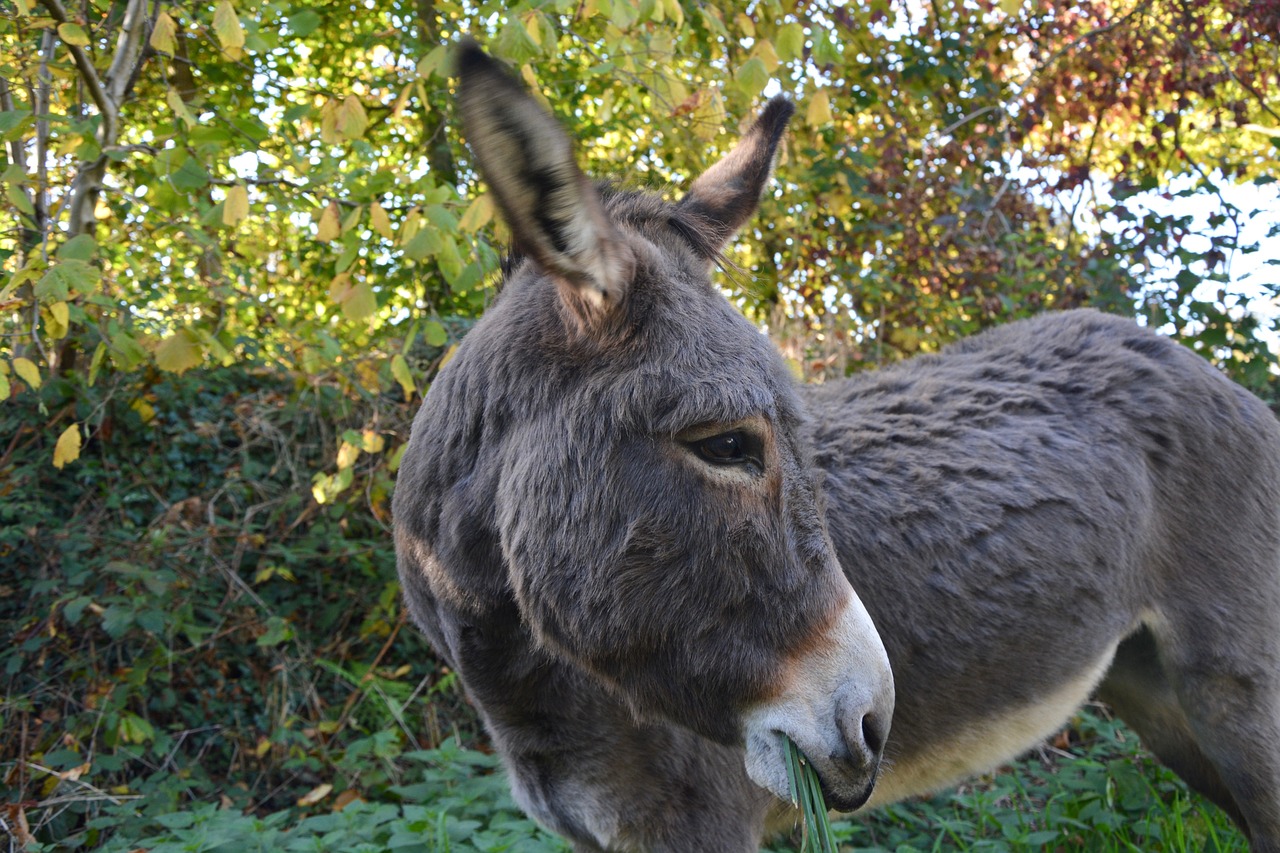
x=730, y=448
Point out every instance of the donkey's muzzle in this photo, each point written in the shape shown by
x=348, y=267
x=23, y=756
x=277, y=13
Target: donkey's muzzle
x=836, y=707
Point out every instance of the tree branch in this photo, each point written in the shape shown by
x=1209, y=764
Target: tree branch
x=130, y=50
x=105, y=103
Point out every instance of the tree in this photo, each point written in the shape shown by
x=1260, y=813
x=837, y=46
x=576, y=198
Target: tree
x=190, y=185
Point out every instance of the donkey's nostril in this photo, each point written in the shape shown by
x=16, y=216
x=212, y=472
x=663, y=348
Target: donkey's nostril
x=864, y=726
x=873, y=733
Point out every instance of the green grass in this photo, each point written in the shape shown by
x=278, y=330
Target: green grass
x=806, y=794
x=1103, y=795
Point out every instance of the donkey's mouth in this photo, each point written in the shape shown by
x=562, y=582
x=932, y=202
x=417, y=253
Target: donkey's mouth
x=844, y=786
x=842, y=802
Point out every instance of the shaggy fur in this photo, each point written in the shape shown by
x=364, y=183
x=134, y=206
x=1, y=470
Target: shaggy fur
x=1054, y=507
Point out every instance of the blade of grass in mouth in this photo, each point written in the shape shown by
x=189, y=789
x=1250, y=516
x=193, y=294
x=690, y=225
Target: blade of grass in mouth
x=806, y=794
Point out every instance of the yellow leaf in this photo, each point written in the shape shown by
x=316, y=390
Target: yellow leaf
x=409, y=227
x=5, y=390
x=397, y=455
x=360, y=302
x=531, y=80
x=179, y=107
x=73, y=34
x=57, y=320
x=353, y=219
x=400, y=370
x=372, y=442
x=379, y=220
x=329, y=123
x=68, y=447
x=769, y=56
x=398, y=107
x=340, y=288
x=320, y=488
x=675, y=12
x=347, y=455
x=162, y=34
x=26, y=368
x=1273, y=132
x=226, y=26
x=179, y=352
x=478, y=214
x=1011, y=7
x=370, y=378
x=145, y=410
x=709, y=117
x=95, y=363
x=328, y=228
x=818, y=112
x=533, y=26
x=745, y=25
x=352, y=120
x=236, y=206
x=315, y=795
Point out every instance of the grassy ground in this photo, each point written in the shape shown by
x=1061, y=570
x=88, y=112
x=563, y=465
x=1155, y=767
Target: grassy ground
x=1101, y=794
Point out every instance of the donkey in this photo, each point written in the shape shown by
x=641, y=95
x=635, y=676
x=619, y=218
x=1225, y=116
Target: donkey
x=649, y=555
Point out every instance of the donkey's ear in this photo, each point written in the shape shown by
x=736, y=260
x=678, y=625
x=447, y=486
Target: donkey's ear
x=555, y=214
x=722, y=200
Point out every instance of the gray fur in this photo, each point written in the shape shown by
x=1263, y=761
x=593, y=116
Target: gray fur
x=1014, y=513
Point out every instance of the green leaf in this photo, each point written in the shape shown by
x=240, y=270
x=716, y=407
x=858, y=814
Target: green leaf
x=513, y=43
x=424, y=244
x=190, y=176
x=179, y=107
x=752, y=77
x=434, y=334
x=65, y=278
x=95, y=363
x=278, y=631
x=126, y=353
x=439, y=216
x=13, y=121
x=134, y=729
x=400, y=371
x=438, y=61
x=304, y=23
x=82, y=247
x=789, y=42
x=19, y=199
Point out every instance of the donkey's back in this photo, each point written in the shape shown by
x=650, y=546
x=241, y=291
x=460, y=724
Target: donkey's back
x=1054, y=507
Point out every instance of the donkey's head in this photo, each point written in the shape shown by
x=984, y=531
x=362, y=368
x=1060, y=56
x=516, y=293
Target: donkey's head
x=656, y=516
